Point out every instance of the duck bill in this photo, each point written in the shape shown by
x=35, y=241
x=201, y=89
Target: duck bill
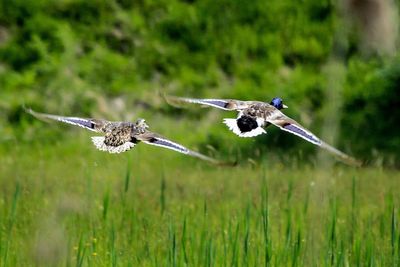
x=284, y=106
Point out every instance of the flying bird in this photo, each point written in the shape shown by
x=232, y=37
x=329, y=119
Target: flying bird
x=254, y=116
x=120, y=136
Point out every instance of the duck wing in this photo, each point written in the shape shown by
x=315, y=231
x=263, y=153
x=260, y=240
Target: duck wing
x=225, y=104
x=89, y=124
x=289, y=125
x=154, y=139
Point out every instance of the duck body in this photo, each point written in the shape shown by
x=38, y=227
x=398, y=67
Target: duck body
x=254, y=115
x=118, y=133
x=252, y=119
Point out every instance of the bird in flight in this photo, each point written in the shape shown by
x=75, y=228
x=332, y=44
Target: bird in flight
x=254, y=116
x=120, y=136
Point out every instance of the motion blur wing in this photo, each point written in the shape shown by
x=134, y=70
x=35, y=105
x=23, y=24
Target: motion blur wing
x=289, y=125
x=225, y=104
x=157, y=140
x=81, y=122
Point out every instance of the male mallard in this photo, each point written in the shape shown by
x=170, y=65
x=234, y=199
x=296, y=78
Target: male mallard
x=254, y=116
x=121, y=136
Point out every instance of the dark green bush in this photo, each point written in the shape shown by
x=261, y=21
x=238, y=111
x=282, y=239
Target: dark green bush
x=70, y=54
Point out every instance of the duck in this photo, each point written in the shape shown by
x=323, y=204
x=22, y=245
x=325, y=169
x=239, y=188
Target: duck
x=121, y=136
x=254, y=116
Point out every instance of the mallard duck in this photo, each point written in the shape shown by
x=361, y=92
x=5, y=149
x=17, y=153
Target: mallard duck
x=254, y=116
x=120, y=136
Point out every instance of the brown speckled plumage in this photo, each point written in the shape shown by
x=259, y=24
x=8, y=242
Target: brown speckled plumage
x=259, y=110
x=121, y=136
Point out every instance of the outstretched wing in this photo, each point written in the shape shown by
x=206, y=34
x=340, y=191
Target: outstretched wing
x=157, y=140
x=225, y=104
x=89, y=124
x=289, y=125
x=344, y=157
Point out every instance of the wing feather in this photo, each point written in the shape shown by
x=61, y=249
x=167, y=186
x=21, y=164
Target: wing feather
x=287, y=124
x=81, y=122
x=225, y=104
x=157, y=140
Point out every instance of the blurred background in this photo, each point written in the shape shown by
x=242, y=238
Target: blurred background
x=334, y=63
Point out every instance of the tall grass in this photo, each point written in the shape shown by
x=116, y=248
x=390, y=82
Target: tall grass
x=118, y=212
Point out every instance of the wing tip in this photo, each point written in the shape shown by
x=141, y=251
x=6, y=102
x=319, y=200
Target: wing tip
x=178, y=102
x=211, y=160
x=29, y=110
x=38, y=115
x=26, y=109
x=172, y=100
x=224, y=104
x=342, y=156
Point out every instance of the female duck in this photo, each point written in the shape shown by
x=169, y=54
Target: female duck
x=119, y=137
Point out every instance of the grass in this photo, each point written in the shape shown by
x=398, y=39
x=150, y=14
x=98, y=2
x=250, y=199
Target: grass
x=66, y=204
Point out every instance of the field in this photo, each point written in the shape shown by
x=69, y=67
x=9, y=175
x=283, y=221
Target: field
x=66, y=204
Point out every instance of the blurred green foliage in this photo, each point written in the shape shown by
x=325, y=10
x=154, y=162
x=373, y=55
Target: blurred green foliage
x=72, y=56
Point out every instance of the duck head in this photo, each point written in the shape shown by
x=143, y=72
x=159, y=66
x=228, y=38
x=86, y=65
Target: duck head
x=278, y=103
x=141, y=124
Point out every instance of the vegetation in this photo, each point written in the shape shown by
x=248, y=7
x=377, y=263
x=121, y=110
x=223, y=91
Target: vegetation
x=78, y=207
